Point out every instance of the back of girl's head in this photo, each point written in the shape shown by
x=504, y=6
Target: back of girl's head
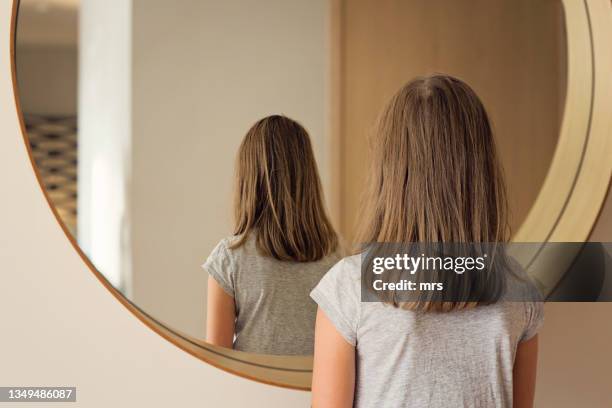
x=435, y=173
x=278, y=193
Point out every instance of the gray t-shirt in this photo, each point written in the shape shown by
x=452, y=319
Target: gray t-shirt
x=274, y=314
x=426, y=359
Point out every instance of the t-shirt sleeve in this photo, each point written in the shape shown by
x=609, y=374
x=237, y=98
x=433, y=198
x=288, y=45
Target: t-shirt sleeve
x=219, y=265
x=337, y=294
x=535, y=319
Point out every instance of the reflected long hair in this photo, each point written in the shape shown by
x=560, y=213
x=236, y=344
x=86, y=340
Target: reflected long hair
x=278, y=193
x=435, y=177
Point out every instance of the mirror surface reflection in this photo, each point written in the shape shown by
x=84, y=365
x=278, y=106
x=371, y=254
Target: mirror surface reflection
x=135, y=114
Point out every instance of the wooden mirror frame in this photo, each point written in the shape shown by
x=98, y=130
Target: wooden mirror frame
x=565, y=210
x=578, y=179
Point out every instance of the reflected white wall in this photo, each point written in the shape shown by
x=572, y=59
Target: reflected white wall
x=203, y=73
x=167, y=91
x=104, y=149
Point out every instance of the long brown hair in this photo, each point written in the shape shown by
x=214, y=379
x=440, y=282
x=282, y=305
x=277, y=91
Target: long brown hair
x=435, y=175
x=278, y=193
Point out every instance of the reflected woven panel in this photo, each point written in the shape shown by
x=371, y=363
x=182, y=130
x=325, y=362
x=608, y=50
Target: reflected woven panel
x=53, y=140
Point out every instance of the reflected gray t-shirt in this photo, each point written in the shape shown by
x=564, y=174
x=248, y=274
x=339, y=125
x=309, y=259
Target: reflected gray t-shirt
x=426, y=359
x=274, y=314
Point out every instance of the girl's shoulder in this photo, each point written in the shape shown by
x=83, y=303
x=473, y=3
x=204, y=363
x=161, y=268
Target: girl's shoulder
x=351, y=264
x=224, y=245
x=237, y=243
x=227, y=251
x=344, y=272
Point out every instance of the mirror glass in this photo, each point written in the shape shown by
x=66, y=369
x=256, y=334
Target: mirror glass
x=135, y=111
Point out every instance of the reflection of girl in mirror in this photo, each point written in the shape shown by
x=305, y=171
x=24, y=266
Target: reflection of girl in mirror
x=260, y=278
x=435, y=177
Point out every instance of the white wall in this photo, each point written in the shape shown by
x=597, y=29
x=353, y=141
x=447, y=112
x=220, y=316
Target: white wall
x=203, y=73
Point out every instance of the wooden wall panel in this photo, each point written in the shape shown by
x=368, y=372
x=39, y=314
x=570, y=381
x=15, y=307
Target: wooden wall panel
x=512, y=52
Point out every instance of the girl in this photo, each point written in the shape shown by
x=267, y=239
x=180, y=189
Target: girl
x=283, y=243
x=435, y=178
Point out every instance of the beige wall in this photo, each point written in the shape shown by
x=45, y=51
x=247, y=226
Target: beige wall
x=203, y=73
x=48, y=22
x=47, y=58
x=47, y=79
x=511, y=52
x=575, y=358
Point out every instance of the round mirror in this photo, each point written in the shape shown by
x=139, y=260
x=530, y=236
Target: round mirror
x=135, y=111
